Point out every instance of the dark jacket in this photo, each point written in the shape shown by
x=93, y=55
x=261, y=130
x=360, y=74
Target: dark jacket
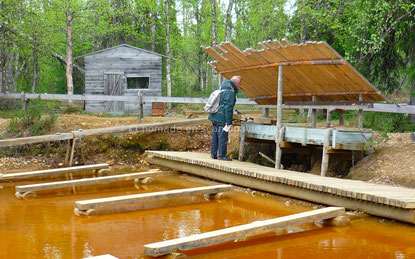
x=226, y=104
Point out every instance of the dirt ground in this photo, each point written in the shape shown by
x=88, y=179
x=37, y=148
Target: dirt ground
x=392, y=163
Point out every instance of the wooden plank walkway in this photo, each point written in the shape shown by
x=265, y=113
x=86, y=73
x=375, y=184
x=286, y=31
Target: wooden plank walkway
x=21, y=190
x=50, y=172
x=325, y=190
x=90, y=207
x=239, y=232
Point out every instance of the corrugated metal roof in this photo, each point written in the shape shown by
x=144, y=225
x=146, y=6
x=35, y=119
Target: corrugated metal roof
x=310, y=69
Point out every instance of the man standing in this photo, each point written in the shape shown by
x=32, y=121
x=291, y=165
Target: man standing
x=222, y=119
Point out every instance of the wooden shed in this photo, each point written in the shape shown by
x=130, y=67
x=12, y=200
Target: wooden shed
x=123, y=70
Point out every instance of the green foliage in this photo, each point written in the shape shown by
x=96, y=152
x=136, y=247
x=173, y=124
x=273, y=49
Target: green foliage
x=38, y=120
x=388, y=122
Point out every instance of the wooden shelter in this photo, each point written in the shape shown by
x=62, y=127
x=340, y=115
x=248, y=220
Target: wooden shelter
x=277, y=73
x=310, y=69
x=123, y=70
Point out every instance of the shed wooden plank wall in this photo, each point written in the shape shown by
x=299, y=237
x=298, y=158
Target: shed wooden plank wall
x=127, y=60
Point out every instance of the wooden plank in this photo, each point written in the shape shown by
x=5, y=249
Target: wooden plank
x=239, y=232
x=35, y=139
x=85, y=181
x=146, y=197
x=50, y=172
x=105, y=256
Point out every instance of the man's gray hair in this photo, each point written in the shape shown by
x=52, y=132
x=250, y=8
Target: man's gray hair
x=236, y=79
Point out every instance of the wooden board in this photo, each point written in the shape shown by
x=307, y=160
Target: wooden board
x=393, y=196
x=239, y=232
x=147, y=197
x=85, y=181
x=340, y=139
x=50, y=172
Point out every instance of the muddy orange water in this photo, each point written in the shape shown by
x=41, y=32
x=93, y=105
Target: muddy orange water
x=46, y=227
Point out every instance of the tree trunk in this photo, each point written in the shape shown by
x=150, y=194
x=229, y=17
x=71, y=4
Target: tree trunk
x=228, y=30
x=168, y=78
x=35, y=65
x=153, y=29
x=199, y=41
x=214, y=40
x=412, y=100
x=69, y=58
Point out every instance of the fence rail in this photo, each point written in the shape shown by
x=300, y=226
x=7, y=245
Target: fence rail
x=377, y=107
x=77, y=97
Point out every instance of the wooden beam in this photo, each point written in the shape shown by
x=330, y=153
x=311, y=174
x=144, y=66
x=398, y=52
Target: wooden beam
x=239, y=232
x=117, y=98
x=93, y=206
x=22, y=189
x=288, y=63
x=50, y=172
x=265, y=97
x=35, y=139
x=106, y=256
x=150, y=127
x=329, y=103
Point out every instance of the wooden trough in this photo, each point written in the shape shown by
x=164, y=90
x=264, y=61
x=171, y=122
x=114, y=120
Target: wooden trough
x=25, y=190
x=51, y=172
x=240, y=232
x=120, y=203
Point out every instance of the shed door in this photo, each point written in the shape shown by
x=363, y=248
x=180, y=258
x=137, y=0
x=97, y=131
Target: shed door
x=114, y=85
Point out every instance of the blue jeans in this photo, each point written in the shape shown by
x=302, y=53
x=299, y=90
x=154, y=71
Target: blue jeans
x=219, y=146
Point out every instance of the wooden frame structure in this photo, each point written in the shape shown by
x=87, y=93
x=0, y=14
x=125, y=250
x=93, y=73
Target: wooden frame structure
x=311, y=70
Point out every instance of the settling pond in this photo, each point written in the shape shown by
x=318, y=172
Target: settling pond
x=46, y=227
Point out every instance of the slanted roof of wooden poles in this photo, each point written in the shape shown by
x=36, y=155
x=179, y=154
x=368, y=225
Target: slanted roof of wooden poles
x=309, y=69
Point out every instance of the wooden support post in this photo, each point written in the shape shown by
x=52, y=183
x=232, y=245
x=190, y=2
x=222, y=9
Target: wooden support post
x=301, y=112
x=314, y=114
x=240, y=232
x=68, y=149
x=265, y=112
x=325, y=158
x=242, y=140
x=328, y=118
x=278, y=152
x=341, y=117
x=360, y=116
x=22, y=97
x=140, y=106
x=279, y=119
x=72, y=151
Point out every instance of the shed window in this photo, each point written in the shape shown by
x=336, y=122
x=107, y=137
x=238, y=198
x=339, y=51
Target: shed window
x=138, y=82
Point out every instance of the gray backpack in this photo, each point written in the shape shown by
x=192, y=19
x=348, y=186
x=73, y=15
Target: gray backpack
x=212, y=104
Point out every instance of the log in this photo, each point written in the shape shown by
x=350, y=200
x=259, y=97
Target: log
x=82, y=182
x=113, y=202
x=50, y=172
x=239, y=232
